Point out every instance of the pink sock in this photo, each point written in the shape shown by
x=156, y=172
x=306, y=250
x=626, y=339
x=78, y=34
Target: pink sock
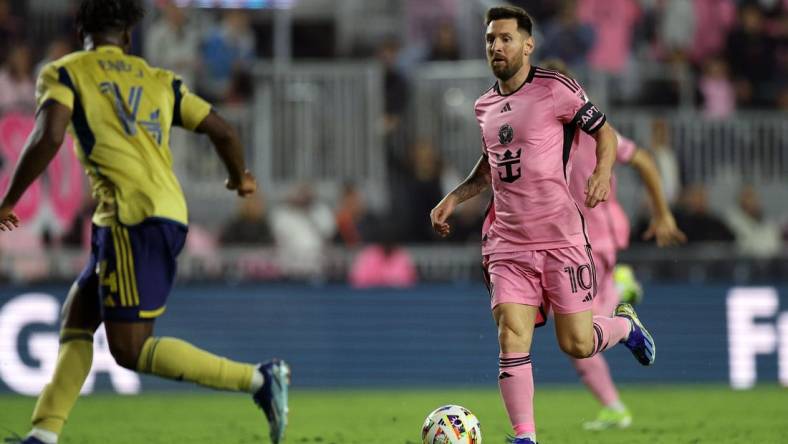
x=595, y=374
x=516, y=380
x=609, y=331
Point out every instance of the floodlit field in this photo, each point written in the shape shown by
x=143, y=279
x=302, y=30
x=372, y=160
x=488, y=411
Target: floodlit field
x=669, y=414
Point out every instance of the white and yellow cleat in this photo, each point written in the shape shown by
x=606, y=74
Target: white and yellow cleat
x=609, y=419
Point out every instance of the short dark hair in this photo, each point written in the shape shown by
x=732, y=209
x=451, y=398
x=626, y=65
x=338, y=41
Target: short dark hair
x=524, y=20
x=97, y=16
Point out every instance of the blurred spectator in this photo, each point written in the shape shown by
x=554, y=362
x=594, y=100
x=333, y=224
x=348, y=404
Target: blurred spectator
x=756, y=236
x=241, y=88
x=350, y=215
x=10, y=28
x=383, y=265
x=302, y=226
x=751, y=56
x=665, y=158
x=677, y=27
x=249, y=226
x=444, y=43
x=227, y=47
x=713, y=21
x=396, y=88
x=419, y=190
x=173, y=43
x=541, y=10
x=695, y=219
x=613, y=22
x=421, y=17
x=17, y=92
x=57, y=48
x=782, y=99
x=567, y=39
x=717, y=90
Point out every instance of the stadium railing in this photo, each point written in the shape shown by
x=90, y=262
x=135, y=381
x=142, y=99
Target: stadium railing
x=322, y=123
x=308, y=122
x=748, y=147
x=701, y=263
x=752, y=144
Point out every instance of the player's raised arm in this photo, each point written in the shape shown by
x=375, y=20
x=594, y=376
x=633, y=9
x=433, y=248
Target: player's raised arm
x=476, y=182
x=228, y=145
x=195, y=114
x=40, y=148
x=598, y=187
x=662, y=226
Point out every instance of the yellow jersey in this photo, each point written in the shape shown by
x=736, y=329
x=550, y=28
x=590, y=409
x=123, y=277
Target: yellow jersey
x=122, y=113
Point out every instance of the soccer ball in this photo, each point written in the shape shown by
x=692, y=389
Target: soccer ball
x=451, y=424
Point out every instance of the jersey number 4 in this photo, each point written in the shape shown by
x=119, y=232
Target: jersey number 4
x=127, y=109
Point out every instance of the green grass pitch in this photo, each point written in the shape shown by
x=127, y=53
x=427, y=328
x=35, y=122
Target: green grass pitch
x=669, y=414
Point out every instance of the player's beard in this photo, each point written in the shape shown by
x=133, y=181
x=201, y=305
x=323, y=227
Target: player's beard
x=509, y=68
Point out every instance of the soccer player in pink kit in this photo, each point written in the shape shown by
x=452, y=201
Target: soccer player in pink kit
x=608, y=229
x=536, y=250
x=609, y=232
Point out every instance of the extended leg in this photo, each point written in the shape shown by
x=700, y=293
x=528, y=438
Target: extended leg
x=581, y=335
x=133, y=347
x=81, y=318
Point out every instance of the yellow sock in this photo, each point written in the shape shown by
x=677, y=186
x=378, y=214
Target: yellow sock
x=175, y=359
x=73, y=365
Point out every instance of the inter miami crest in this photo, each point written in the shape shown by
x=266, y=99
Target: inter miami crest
x=505, y=134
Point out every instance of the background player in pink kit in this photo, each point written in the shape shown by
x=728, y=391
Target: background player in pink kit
x=609, y=229
x=537, y=250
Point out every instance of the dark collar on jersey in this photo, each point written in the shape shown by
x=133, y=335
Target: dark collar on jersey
x=528, y=79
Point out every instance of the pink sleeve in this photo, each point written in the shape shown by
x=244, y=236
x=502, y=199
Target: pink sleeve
x=625, y=150
x=572, y=106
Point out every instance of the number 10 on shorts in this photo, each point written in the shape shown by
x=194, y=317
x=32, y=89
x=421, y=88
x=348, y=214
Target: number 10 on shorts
x=582, y=275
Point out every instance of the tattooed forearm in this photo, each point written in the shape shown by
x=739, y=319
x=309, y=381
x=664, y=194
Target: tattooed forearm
x=477, y=181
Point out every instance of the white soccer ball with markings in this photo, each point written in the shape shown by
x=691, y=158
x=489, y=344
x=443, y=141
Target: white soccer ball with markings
x=451, y=424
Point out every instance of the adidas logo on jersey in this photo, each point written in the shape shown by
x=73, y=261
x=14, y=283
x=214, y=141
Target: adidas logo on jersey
x=588, y=298
x=506, y=108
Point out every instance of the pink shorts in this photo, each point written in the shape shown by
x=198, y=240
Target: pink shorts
x=607, y=295
x=561, y=279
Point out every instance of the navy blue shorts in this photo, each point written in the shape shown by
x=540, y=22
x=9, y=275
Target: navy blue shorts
x=133, y=268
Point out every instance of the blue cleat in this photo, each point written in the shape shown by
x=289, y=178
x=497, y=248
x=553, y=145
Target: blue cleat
x=272, y=397
x=520, y=441
x=639, y=341
x=19, y=440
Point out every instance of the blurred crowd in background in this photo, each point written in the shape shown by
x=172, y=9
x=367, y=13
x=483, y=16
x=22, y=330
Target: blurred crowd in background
x=737, y=48
x=736, y=52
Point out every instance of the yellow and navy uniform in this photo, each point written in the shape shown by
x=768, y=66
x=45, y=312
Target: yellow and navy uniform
x=122, y=111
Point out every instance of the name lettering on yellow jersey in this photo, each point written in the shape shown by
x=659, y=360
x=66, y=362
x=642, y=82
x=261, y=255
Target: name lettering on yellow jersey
x=115, y=65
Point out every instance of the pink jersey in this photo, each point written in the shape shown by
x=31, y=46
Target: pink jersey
x=527, y=136
x=608, y=225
